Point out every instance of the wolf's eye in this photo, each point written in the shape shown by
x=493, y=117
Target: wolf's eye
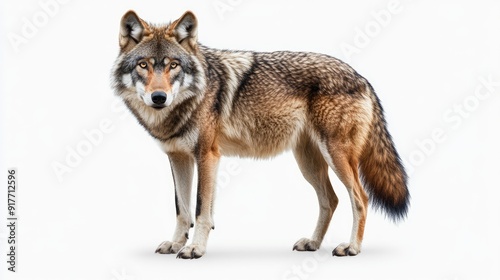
x=143, y=65
x=173, y=65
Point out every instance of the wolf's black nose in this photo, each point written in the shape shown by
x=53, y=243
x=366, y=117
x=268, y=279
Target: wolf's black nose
x=159, y=97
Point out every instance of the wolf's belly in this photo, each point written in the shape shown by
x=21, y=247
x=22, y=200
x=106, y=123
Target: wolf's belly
x=261, y=136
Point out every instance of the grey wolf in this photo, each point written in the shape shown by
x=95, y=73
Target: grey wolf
x=201, y=103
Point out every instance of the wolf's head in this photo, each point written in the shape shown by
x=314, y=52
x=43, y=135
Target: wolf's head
x=158, y=63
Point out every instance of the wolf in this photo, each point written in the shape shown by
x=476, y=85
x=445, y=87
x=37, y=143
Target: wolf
x=201, y=103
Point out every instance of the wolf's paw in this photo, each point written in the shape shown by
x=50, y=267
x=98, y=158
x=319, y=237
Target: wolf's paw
x=168, y=247
x=346, y=249
x=191, y=252
x=306, y=244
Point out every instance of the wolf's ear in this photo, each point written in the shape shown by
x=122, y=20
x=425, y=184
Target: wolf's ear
x=185, y=30
x=131, y=30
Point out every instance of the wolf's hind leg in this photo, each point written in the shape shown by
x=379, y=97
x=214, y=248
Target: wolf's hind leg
x=182, y=170
x=315, y=171
x=344, y=163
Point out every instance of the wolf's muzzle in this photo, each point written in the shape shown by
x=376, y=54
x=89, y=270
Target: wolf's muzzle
x=159, y=97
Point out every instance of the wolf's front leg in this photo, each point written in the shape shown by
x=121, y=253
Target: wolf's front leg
x=182, y=171
x=207, y=168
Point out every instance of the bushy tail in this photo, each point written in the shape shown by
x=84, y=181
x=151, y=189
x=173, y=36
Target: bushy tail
x=382, y=172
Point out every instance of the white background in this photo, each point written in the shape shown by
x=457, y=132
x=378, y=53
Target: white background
x=105, y=218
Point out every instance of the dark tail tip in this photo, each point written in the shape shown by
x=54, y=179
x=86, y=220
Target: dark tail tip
x=392, y=199
x=394, y=211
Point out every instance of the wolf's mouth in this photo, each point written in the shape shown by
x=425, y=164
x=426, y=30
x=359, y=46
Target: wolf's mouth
x=158, y=107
